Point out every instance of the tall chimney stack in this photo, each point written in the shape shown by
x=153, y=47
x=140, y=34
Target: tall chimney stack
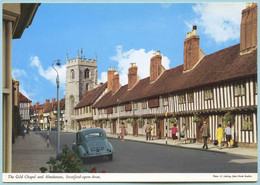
x=132, y=75
x=47, y=101
x=248, y=32
x=110, y=75
x=192, y=51
x=116, y=83
x=156, y=67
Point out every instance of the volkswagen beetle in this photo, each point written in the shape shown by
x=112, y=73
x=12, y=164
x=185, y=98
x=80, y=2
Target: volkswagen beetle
x=92, y=142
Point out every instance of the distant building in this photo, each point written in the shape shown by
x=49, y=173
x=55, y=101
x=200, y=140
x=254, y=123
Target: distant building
x=81, y=76
x=24, y=105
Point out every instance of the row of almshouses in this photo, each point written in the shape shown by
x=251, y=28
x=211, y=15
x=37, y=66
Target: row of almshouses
x=210, y=103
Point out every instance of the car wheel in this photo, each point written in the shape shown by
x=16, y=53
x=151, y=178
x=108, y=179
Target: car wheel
x=110, y=157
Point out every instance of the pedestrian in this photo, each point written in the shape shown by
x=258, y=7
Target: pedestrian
x=220, y=134
x=27, y=130
x=23, y=130
x=228, y=133
x=148, y=130
x=122, y=131
x=153, y=130
x=184, y=132
x=205, y=134
x=174, y=132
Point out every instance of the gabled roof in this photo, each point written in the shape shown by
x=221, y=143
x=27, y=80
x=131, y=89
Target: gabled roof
x=24, y=99
x=224, y=65
x=91, y=96
x=53, y=106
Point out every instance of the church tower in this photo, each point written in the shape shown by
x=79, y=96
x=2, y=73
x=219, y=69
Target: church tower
x=81, y=76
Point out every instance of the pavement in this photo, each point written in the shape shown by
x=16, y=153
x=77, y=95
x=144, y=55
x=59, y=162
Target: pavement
x=31, y=153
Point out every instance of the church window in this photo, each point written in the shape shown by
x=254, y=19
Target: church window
x=86, y=73
x=72, y=75
x=86, y=87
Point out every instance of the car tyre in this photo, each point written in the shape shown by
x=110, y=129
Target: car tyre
x=110, y=157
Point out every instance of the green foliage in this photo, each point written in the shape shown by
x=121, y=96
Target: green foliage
x=130, y=120
x=228, y=117
x=172, y=120
x=69, y=162
x=155, y=120
x=103, y=121
x=196, y=119
x=140, y=120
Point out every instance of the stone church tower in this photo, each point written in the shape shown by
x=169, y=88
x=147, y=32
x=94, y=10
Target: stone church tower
x=81, y=76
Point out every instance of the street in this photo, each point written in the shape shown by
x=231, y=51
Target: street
x=138, y=157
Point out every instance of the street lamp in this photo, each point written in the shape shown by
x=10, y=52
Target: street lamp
x=58, y=109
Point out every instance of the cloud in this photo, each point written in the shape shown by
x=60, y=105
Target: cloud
x=50, y=74
x=140, y=57
x=16, y=73
x=221, y=21
x=103, y=77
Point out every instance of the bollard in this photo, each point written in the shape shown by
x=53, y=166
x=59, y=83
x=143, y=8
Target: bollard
x=166, y=134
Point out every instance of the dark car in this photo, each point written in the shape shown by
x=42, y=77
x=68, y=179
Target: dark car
x=92, y=142
x=36, y=128
x=54, y=129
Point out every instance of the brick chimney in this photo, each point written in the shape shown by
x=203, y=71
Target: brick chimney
x=156, y=67
x=116, y=83
x=192, y=51
x=47, y=101
x=248, y=32
x=132, y=75
x=37, y=104
x=53, y=101
x=110, y=75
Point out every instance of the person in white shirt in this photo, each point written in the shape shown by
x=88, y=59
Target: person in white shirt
x=228, y=133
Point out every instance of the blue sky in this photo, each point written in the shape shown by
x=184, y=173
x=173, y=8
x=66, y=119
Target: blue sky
x=119, y=34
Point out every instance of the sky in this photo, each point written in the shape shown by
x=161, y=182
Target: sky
x=119, y=34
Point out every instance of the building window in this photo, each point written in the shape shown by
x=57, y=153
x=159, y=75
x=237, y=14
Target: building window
x=105, y=111
x=135, y=106
x=122, y=108
x=86, y=87
x=190, y=97
x=90, y=109
x=144, y=104
x=240, y=89
x=165, y=101
x=115, y=109
x=208, y=94
x=247, y=122
x=181, y=99
x=86, y=73
x=72, y=75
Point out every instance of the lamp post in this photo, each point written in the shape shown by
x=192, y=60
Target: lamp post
x=58, y=109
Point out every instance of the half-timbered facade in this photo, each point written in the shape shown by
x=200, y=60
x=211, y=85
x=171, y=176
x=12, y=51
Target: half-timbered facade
x=24, y=106
x=205, y=86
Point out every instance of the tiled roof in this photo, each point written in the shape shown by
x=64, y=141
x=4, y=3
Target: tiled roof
x=224, y=65
x=91, y=96
x=50, y=107
x=24, y=99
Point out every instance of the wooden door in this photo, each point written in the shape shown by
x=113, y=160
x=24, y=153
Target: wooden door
x=135, y=128
x=114, y=127
x=198, y=127
x=160, y=128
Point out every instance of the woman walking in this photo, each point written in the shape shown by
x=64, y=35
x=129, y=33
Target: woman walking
x=174, y=132
x=228, y=133
x=220, y=133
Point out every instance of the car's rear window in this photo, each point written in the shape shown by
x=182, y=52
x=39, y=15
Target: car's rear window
x=95, y=135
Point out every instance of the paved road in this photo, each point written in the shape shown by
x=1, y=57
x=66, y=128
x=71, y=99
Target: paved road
x=137, y=157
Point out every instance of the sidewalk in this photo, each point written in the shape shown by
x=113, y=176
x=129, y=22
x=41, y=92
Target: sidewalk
x=241, y=151
x=31, y=153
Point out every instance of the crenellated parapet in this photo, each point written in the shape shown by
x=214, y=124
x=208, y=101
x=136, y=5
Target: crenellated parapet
x=81, y=60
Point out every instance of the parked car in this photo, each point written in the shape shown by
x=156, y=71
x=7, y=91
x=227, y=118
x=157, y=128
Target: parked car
x=92, y=142
x=54, y=129
x=36, y=128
